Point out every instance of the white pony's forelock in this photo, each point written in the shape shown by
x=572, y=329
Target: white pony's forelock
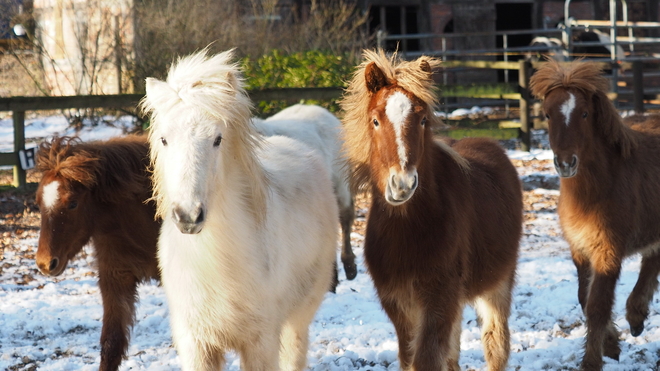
x=207, y=86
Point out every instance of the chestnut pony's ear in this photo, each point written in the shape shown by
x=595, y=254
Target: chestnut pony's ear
x=425, y=66
x=374, y=78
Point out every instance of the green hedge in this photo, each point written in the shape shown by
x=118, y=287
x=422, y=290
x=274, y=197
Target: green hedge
x=303, y=69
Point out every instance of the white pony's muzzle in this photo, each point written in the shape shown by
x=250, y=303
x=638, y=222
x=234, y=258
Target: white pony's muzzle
x=189, y=220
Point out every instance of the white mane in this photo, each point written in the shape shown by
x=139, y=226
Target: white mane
x=249, y=233
x=207, y=86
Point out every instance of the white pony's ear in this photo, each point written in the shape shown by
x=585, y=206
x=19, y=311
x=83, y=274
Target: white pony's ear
x=158, y=92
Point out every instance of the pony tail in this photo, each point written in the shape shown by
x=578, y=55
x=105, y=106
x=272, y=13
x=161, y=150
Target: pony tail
x=608, y=121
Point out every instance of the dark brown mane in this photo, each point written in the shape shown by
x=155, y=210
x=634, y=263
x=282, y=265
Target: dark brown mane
x=586, y=77
x=111, y=168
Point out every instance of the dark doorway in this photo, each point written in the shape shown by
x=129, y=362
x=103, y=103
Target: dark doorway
x=396, y=20
x=513, y=16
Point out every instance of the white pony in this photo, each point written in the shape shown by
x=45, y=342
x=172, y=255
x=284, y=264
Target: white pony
x=555, y=49
x=249, y=230
x=321, y=130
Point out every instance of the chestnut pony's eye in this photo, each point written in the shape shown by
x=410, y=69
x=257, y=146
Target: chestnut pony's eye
x=376, y=123
x=73, y=204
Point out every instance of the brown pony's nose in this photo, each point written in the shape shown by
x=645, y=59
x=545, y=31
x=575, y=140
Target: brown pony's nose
x=566, y=169
x=47, y=267
x=400, y=187
x=189, y=222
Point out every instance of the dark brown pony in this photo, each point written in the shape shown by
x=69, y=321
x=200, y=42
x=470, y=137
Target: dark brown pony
x=609, y=203
x=97, y=192
x=445, y=219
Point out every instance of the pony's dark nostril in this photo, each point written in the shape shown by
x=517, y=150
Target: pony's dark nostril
x=574, y=162
x=556, y=162
x=200, y=217
x=53, y=264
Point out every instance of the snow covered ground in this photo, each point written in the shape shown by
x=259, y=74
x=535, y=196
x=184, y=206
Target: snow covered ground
x=55, y=324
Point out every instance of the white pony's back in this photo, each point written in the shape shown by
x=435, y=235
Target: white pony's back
x=252, y=272
x=321, y=130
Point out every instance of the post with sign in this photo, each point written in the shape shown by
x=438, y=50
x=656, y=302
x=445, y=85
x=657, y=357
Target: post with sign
x=19, y=145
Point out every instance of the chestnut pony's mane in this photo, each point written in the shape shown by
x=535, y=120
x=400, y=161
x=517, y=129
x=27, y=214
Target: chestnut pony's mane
x=586, y=77
x=111, y=169
x=408, y=75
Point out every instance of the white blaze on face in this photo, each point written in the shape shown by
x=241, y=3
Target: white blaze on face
x=568, y=107
x=397, y=109
x=50, y=194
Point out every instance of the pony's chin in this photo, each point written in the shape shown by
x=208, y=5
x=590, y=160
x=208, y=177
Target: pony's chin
x=189, y=228
x=394, y=201
x=567, y=174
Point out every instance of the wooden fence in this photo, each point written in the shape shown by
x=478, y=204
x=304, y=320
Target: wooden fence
x=19, y=105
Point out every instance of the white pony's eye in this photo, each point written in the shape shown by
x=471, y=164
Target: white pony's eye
x=217, y=141
x=164, y=141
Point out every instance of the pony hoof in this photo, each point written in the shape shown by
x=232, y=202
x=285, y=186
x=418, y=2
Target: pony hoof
x=612, y=353
x=351, y=271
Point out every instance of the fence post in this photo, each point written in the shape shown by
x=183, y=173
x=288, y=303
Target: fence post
x=638, y=86
x=524, y=74
x=19, y=145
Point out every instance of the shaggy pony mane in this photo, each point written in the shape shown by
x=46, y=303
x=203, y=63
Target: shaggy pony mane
x=413, y=76
x=587, y=77
x=111, y=169
x=212, y=86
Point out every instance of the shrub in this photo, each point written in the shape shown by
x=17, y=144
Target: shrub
x=311, y=68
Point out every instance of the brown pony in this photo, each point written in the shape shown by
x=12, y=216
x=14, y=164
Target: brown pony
x=97, y=192
x=609, y=205
x=445, y=219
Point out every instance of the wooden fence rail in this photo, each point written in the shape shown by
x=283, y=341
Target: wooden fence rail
x=19, y=105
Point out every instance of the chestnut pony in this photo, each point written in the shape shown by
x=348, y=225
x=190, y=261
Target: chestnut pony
x=96, y=192
x=445, y=218
x=609, y=203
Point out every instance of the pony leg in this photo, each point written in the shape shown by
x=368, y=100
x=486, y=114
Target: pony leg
x=637, y=306
x=455, y=347
x=346, y=218
x=434, y=338
x=599, y=317
x=494, y=308
x=119, y=293
x=197, y=356
x=294, y=340
x=583, y=266
x=404, y=328
x=261, y=352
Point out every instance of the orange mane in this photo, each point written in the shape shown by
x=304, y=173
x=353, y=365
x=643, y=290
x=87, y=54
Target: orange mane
x=413, y=76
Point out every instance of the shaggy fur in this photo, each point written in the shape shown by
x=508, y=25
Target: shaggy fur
x=321, y=130
x=249, y=232
x=411, y=76
x=448, y=235
x=101, y=198
x=609, y=208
